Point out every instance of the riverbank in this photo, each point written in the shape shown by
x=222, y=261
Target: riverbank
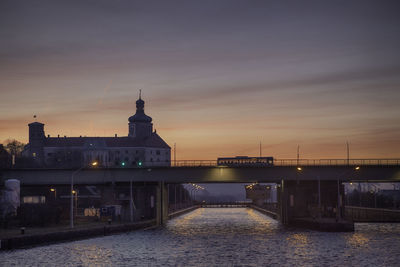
x=12, y=239
x=271, y=214
x=322, y=224
x=181, y=212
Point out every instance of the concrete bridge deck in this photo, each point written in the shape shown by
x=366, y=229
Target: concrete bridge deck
x=211, y=174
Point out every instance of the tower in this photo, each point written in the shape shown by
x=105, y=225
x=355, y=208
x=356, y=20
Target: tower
x=140, y=125
x=36, y=140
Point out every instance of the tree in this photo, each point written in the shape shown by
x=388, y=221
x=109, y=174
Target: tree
x=14, y=147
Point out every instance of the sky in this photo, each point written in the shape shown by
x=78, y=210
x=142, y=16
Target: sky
x=218, y=77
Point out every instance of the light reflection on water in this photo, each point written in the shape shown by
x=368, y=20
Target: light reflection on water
x=222, y=237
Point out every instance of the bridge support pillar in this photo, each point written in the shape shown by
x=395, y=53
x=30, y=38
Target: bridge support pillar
x=282, y=205
x=310, y=204
x=162, y=203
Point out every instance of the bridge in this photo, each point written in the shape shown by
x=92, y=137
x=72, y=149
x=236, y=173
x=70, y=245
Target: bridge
x=308, y=188
x=225, y=205
x=366, y=170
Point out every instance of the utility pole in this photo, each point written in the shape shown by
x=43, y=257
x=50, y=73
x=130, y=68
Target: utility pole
x=298, y=154
x=260, y=149
x=319, y=197
x=131, y=202
x=175, y=197
x=348, y=153
x=175, y=154
x=338, y=211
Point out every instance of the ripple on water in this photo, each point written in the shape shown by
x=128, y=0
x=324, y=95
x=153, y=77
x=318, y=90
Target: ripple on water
x=222, y=237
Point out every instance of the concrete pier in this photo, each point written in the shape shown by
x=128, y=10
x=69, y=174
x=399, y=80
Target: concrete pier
x=313, y=204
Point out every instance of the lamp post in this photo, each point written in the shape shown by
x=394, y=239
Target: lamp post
x=131, y=201
x=55, y=192
x=375, y=190
x=71, y=212
x=194, y=189
x=339, y=199
x=267, y=195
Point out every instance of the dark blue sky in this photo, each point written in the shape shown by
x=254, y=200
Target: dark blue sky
x=217, y=76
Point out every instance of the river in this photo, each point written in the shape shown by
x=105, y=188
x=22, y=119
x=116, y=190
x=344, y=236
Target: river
x=222, y=237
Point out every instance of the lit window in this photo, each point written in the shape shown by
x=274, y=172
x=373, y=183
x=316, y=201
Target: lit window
x=34, y=154
x=34, y=199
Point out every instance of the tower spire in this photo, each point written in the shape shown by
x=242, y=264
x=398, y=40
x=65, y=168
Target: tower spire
x=140, y=93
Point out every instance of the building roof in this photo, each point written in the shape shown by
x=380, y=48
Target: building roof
x=140, y=116
x=154, y=140
x=35, y=123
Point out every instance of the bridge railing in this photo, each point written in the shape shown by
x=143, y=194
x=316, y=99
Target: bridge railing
x=335, y=162
x=298, y=162
x=193, y=163
x=211, y=163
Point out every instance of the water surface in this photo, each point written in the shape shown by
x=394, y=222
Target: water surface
x=222, y=237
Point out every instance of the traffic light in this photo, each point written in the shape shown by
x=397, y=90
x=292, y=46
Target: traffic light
x=140, y=163
x=122, y=164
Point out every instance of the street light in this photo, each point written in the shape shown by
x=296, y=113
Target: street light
x=374, y=192
x=193, y=191
x=71, y=212
x=55, y=192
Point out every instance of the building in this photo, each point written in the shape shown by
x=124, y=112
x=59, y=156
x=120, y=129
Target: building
x=5, y=158
x=142, y=147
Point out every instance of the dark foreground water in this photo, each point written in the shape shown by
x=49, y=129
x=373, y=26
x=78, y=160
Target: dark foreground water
x=222, y=237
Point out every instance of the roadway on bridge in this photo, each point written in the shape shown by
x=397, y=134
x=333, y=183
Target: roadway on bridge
x=213, y=174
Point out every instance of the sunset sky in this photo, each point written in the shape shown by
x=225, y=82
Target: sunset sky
x=218, y=77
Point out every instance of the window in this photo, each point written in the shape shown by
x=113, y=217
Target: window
x=34, y=154
x=34, y=199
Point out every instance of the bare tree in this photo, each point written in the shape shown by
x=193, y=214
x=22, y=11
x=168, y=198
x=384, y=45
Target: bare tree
x=14, y=147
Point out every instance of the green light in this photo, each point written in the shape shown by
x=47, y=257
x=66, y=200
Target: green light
x=140, y=163
x=123, y=163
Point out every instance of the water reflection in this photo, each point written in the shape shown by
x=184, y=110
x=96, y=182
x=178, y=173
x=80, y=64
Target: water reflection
x=357, y=239
x=222, y=237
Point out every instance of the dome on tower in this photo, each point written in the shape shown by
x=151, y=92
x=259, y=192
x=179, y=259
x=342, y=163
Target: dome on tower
x=140, y=116
x=139, y=103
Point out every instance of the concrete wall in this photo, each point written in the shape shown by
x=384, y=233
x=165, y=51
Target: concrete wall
x=310, y=199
